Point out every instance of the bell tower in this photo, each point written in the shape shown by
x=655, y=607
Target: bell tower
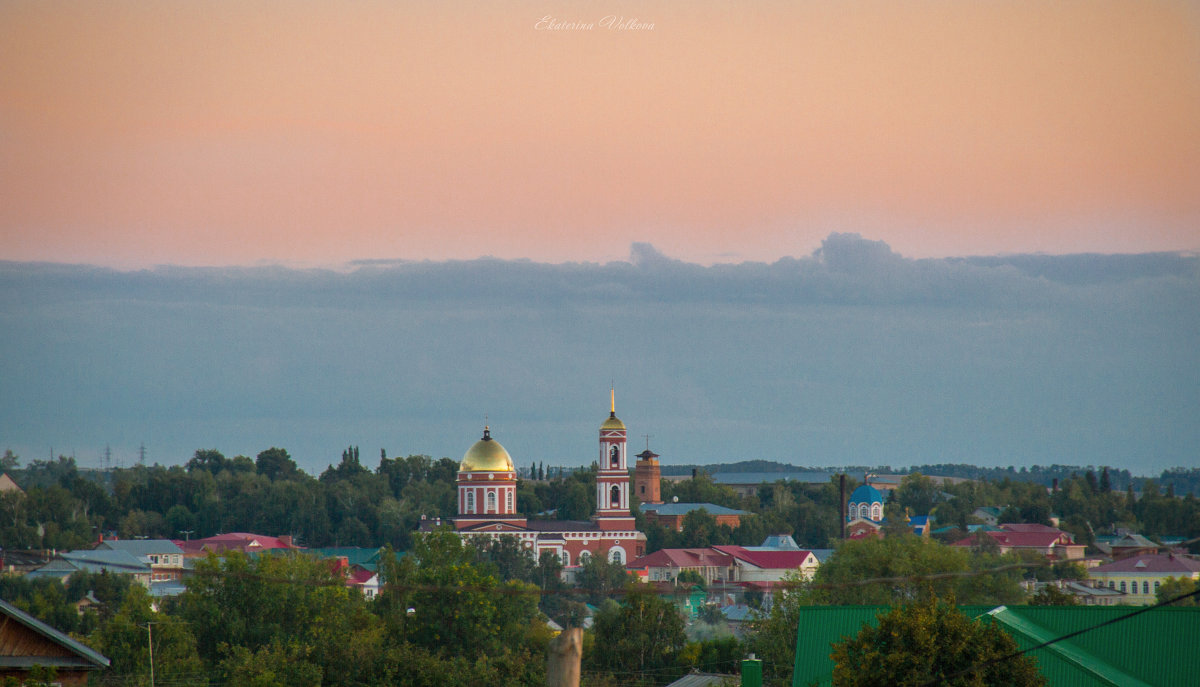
x=612, y=479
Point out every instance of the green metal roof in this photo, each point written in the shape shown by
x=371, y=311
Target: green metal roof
x=355, y=555
x=1157, y=647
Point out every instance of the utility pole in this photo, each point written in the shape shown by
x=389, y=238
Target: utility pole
x=150, y=642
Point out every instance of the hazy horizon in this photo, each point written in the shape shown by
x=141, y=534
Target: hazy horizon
x=852, y=355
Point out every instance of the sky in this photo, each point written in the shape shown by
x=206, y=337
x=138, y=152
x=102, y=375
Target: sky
x=230, y=133
x=823, y=233
x=852, y=355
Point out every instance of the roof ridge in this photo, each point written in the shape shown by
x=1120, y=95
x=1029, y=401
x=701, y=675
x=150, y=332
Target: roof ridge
x=1069, y=652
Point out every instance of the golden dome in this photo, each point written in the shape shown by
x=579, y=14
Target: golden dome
x=486, y=455
x=613, y=422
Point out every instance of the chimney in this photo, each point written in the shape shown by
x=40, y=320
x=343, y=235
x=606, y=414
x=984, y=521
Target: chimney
x=286, y=540
x=842, y=501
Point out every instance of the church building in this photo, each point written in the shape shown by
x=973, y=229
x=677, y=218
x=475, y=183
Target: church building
x=487, y=503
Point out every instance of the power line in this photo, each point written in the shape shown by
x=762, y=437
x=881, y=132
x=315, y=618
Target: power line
x=1069, y=635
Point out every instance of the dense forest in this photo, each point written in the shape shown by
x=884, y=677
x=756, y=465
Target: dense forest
x=349, y=504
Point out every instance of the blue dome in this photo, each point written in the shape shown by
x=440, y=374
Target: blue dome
x=866, y=494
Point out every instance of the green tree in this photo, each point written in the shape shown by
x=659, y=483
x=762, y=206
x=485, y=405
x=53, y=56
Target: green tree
x=441, y=600
x=643, y=634
x=930, y=642
x=278, y=664
x=897, y=561
x=600, y=579
x=275, y=463
x=895, y=521
x=1174, y=587
x=507, y=558
x=918, y=494
x=209, y=459
x=125, y=639
x=1050, y=595
x=290, y=601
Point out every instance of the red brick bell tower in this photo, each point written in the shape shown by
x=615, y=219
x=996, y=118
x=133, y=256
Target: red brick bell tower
x=612, y=479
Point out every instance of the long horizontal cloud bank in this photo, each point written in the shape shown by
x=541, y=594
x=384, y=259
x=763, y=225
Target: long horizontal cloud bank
x=852, y=355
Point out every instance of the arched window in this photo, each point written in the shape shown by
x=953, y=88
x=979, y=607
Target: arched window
x=615, y=555
x=584, y=557
x=509, y=501
x=864, y=511
x=877, y=512
x=491, y=501
x=470, y=500
x=615, y=454
x=1122, y=586
x=1156, y=586
x=1145, y=586
x=566, y=558
x=615, y=497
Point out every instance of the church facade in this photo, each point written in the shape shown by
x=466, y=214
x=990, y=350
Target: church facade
x=487, y=504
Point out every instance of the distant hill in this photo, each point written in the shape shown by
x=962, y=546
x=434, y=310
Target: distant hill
x=1182, y=480
x=740, y=466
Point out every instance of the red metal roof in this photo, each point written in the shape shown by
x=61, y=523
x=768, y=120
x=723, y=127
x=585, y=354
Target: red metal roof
x=1024, y=538
x=775, y=560
x=241, y=541
x=1152, y=563
x=683, y=558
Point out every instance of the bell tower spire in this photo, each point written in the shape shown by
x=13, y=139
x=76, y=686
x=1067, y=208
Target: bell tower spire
x=612, y=478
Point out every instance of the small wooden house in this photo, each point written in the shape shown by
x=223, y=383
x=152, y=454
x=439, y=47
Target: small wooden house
x=26, y=642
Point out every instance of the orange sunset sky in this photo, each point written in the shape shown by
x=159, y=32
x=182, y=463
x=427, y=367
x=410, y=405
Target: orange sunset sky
x=232, y=132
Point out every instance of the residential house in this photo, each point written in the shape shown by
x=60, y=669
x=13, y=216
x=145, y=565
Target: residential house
x=738, y=618
x=1141, y=576
x=665, y=565
x=245, y=542
x=26, y=642
x=1091, y=595
x=688, y=598
x=95, y=561
x=367, y=581
x=778, y=542
x=759, y=565
x=8, y=485
x=863, y=528
x=367, y=558
x=1044, y=540
x=671, y=515
x=164, y=557
x=728, y=571
x=988, y=515
x=1125, y=545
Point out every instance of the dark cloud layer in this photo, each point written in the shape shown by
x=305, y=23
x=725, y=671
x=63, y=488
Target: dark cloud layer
x=854, y=354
